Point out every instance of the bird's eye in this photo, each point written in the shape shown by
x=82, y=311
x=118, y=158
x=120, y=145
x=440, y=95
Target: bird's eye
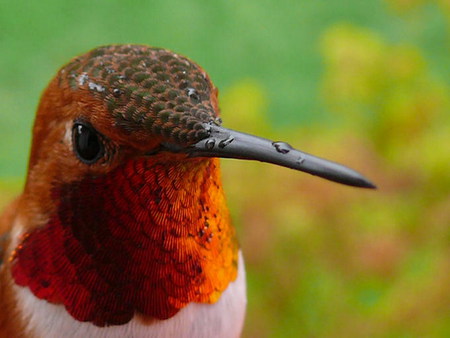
x=87, y=143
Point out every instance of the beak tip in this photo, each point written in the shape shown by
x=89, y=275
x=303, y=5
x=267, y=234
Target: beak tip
x=365, y=183
x=370, y=185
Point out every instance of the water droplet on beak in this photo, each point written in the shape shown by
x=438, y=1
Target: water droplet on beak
x=282, y=147
x=227, y=141
x=209, y=144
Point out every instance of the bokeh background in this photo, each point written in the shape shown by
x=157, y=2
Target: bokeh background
x=365, y=83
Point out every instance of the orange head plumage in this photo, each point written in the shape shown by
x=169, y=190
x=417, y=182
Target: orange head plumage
x=123, y=205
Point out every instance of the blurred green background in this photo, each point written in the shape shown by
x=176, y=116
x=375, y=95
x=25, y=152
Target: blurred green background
x=365, y=83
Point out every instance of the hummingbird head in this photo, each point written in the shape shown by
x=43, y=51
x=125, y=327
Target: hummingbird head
x=125, y=101
x=119, y=102
x=123, y=206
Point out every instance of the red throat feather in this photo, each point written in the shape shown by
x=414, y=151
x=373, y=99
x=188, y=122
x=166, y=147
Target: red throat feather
x=149, y=238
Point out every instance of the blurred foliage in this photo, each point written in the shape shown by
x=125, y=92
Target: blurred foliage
x=365, y=83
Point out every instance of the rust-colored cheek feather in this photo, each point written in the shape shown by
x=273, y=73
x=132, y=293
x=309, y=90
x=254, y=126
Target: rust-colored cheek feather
x=150, y=237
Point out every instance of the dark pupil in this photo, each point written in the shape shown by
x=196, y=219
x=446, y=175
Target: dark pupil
x=87, y=144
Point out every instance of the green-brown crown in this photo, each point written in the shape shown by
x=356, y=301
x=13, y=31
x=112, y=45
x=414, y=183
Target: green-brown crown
x=151, y=88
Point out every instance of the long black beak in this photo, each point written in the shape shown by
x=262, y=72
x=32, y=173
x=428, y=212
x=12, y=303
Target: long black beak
x=229, y=143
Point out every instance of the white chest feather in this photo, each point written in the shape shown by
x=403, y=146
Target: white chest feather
x=222, y=319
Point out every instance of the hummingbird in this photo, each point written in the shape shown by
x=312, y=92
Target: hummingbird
x=122, y=228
